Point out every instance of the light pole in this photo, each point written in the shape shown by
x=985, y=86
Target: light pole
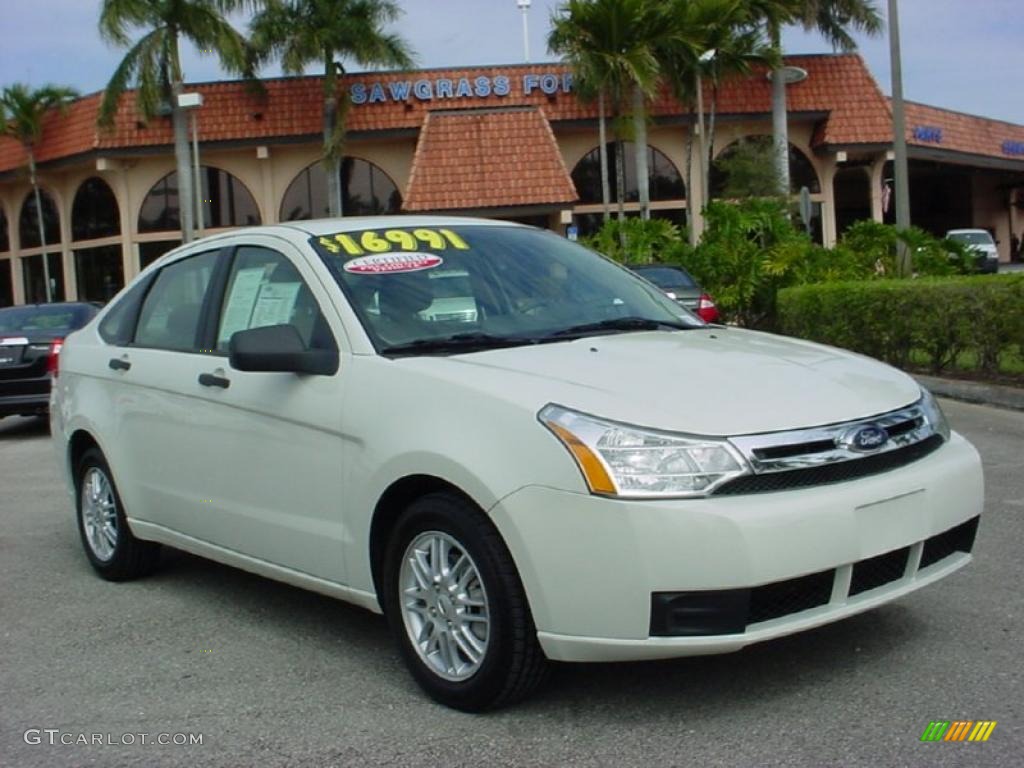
x=192, y=102
x=524, y=6
x=899, y=145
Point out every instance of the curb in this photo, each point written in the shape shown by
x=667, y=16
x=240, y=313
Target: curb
x=995, y=395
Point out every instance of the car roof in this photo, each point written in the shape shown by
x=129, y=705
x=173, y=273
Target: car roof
x=72, y=304
x=967, y=231
x=315, y=227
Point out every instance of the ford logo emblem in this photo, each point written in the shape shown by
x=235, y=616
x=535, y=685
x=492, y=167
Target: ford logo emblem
x=866, y=438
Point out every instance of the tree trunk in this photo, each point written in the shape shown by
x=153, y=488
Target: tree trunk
x=689, y=188
x=640, y=153
x=331, y=159
x=602, y=133
x=186, y=193
x=780, y=133
x=620, y=188
x=39, y=221
x=711, y=142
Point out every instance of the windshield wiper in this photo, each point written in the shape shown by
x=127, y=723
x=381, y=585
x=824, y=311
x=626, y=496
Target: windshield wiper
x=619, y=324
x=459, y=342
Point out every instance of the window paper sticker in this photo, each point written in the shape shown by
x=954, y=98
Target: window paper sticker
x=275, y=304
x=241, y=302
x=392, y=263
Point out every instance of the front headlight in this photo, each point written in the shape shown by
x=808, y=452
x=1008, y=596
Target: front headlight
x=933, y=413
x=622, y=460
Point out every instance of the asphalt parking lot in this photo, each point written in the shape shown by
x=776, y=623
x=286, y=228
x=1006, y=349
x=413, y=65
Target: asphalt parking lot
x=271, y=675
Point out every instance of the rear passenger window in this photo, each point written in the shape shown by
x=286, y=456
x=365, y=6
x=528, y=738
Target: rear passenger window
x=264, y=288
x=118, y=325
x=170, y=314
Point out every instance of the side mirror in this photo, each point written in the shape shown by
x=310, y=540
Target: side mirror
x=279, y=348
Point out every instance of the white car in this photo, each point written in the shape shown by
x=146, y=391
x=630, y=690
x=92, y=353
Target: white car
x=980, y=242
x=582, y=472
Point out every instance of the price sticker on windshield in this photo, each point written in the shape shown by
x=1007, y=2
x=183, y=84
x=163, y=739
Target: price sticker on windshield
x=373, y=241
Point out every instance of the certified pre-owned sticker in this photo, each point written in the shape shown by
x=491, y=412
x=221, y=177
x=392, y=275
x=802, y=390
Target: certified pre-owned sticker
x=392, y=263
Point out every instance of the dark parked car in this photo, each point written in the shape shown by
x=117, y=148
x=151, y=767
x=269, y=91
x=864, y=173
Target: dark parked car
x=31, y=337
x=679, y=284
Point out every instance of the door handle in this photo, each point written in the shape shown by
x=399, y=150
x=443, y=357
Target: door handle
x=118, y=364
x=212, y=380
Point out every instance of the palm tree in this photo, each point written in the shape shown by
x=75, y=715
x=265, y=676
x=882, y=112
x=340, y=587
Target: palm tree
x=610, y=45
x=22, y=110
x=834, y=19
x=301, y=32
x=712, y=40
x=153, y=63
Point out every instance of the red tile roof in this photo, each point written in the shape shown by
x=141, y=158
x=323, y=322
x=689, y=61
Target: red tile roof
x=959, y=132
x=838, y=86
x=480, y=158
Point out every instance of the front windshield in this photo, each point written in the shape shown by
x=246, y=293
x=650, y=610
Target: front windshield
x=972, y=238
x=412, y=286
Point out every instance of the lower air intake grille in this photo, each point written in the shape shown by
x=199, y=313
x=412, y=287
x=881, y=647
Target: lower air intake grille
x=782, y=598
x=878, y=571
x=830, y=473
x=941, y=546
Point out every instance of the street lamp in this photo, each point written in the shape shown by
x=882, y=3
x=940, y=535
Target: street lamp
x=899, y=127
x=191, y=102
x=524, y=6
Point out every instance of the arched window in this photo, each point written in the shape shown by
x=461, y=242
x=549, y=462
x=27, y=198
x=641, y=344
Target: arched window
x=94, y=213
x=5, y=240
x=28, y=224
x=365, y=191
x=665, y=181
x=746, y=168
x=225, y=203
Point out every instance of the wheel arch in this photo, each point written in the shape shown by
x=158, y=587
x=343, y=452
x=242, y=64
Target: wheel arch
x=390, y=505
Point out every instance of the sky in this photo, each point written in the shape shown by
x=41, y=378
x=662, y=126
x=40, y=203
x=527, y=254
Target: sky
x=965, y=55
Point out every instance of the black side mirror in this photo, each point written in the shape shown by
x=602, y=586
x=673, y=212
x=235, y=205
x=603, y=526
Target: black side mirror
x=279, y=348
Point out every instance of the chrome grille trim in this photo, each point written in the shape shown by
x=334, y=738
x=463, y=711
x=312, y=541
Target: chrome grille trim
x=819, y=446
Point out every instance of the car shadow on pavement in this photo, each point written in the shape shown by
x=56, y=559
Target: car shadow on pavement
x=696, y=687
x=19, y=427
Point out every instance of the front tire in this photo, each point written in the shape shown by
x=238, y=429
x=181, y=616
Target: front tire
x=457, y=607
x=112, y=550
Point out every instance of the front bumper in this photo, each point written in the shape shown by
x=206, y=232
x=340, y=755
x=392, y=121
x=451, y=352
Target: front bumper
x=592, y=566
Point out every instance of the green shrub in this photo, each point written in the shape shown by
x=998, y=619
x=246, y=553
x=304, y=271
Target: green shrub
x=634, y=240
x=938, y=320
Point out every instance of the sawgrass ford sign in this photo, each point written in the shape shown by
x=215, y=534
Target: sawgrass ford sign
x=443, y=88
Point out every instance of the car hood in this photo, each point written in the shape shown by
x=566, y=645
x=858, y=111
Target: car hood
x=710, y=381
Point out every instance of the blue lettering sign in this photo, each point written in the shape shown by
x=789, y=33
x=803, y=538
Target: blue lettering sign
x=444, y=88
x=377, y=93
x=399, y=90
x=549, y=84
x=502, y=86
x=928, y=133
x=464, y=90
x=357, y=93
x=530, y=82
x=1015, y=148
x=422, y=90
x=567, y=82
x=483, y=87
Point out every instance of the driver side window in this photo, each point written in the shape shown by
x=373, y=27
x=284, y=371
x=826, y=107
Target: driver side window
x=264, y=289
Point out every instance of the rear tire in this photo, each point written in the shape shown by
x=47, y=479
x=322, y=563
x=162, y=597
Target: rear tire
x=457, y=607
x=109, y=545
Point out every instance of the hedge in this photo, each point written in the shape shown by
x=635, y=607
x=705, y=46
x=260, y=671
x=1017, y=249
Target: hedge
x=938, y=321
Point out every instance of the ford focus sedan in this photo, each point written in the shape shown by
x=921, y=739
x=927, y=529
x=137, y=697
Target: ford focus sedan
x=514, y=448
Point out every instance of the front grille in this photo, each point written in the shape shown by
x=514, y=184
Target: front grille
x=826, y=474
x=782, y=598
x=877, y=571
x=941, y=546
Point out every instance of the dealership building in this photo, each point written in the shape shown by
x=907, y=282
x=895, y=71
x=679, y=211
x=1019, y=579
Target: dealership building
x=510, y=142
